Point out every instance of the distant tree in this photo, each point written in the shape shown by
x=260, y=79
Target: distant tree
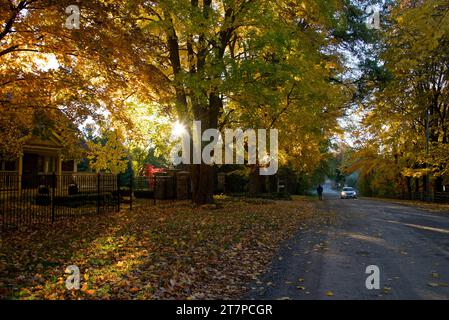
x=108, y=154
x=414, y=55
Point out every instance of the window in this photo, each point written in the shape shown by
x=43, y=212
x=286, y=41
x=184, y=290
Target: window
x=8, y=165
x=51, y=165
x=67, y=166
x=40, y=164
x=46, y=164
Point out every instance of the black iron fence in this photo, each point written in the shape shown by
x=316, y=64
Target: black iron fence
x=39, y=199
x=160, y=187
x=441, y=197
x=27, y=199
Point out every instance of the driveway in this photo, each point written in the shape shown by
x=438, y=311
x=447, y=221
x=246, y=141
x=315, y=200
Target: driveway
x=409, y=245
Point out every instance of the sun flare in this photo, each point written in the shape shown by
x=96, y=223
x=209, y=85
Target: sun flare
x=178, y=129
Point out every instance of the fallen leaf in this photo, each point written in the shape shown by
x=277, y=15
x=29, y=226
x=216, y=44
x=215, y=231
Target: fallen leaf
x=129, y=254
x=329, y=293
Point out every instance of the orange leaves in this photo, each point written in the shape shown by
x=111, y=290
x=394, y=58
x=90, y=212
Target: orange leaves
x=169, y=251
x=134, y=290
x=85, y=289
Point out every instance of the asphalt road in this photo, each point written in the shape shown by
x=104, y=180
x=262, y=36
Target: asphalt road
x=409, y=245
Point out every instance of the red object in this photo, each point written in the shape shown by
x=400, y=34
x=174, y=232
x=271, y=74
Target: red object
x=149, y=171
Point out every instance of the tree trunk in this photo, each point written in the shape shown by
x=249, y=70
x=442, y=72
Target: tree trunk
x=203, y=178
x=204, y=109
x=439, y=184
x=409, y=187
x=424, y=181
x=254, y=181
x=202, y=183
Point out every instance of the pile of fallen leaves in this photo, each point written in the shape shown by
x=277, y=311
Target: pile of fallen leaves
x=167, y=251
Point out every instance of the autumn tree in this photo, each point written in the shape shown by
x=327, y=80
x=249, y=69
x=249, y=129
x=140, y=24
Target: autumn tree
x=45, y=69
x=267, y=64
x=30, y=84
x=412, y=99
x=107, y=154
x=216, y=60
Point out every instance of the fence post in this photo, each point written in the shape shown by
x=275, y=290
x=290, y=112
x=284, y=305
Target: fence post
x=175, y=186
x=154, y=177
x=52, y=199
x=189, y=187
x=118, y=191
x=131, y=191
x=98, y=193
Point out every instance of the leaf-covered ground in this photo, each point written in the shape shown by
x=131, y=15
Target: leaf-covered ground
x=168, y=251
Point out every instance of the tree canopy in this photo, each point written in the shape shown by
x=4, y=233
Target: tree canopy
x=410, y=99
x=230, y=63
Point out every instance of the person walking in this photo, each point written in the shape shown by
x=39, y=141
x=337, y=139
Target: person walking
x=319, y=190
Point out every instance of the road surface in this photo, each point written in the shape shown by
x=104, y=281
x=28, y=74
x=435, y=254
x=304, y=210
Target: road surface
x=409, y=245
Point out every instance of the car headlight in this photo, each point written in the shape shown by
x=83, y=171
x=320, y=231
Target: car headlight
x=343, y=193
x=355, y=193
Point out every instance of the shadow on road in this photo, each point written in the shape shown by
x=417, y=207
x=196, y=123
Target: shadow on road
x=408, y=245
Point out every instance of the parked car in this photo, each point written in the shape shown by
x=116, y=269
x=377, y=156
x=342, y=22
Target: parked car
x=348, y=193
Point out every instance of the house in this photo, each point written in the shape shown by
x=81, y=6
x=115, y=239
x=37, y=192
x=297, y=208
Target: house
x=41, y=157
x=43, y=184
